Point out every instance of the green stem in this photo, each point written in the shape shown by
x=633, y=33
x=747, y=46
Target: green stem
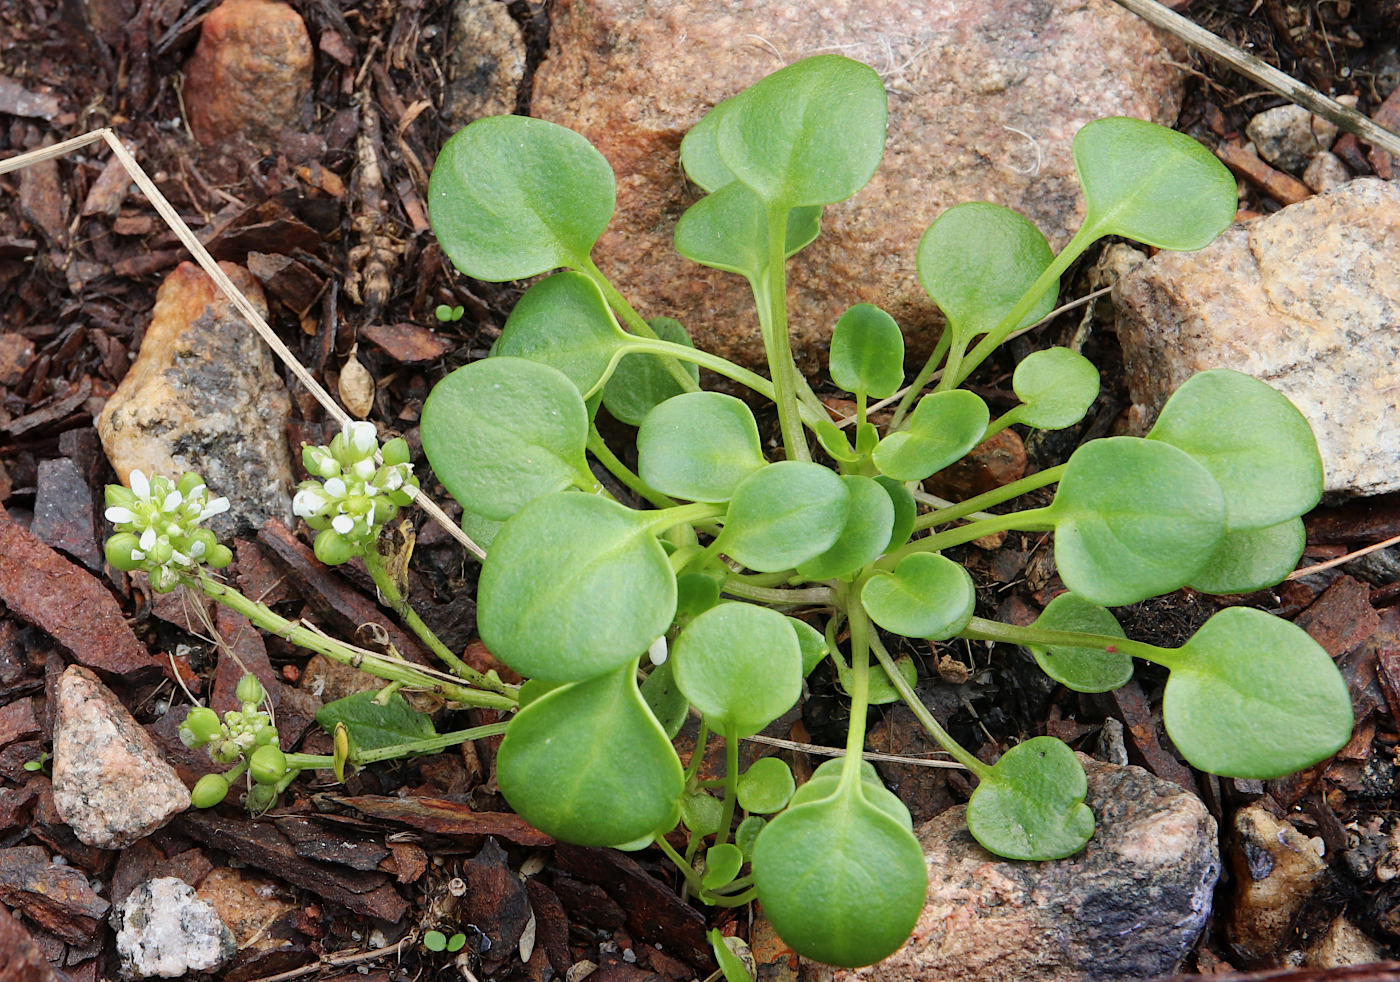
x=739, y=900
x=1030, y=520
x=990, y=498
x=916, y=387
x=658, y=522
x=599, y=449
x=776, y=343
x=389, y=593
x=635, y=322
x=731, y=783
x=268, y=620
x=767, y=595
x=980, y=629
x=860, y=696
x=409, y=748
x=691, y=874
x=702, y=738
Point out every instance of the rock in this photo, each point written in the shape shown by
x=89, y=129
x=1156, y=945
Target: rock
x=488, y=61
x=250, y=74
x=1326, y=171
x=164, y=930
x=63, y=514
x=1276, y=869
x=984, y=101
x=1343, y=944
x=204, y=395
x=996, y=461
x=1306, y=299
x=247, y=904
x=1288, y=136
x=1129, y=907
x=110, y=783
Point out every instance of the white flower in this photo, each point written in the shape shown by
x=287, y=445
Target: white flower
x=308, y=503
x=343, y=524
x=140, y=486
x=362, y=436
x=335, y=487
x=148, y=539
x=657, y=652
x=117, y=514
x=216, y=506
x=172, y=501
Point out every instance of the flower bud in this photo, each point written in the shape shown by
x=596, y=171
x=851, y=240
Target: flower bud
x=189, y=482
x=119, y=549
x=395, y=451
x=250, y=691
x=332, y=548
x=260, y=798
x=318, y=461
x=219, y=556
x=209, y=791
x=200, y=726
x=268, y=765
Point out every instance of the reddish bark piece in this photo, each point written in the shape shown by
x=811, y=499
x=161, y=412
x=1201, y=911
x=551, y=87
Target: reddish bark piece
x=1387, y=114
x=68, y=398
x=17, y=721
x=1374, y=972
x=16, y=354
x=17, y=804
x=1388, y=673
x=1342, y=617
x=243, y=652
x=408, y=344
x=16, y=100
x=43, y=202
x=1358, y=521
x=1276, y=184
x=655, y=914
x=1142, y=730
x=57, y=898
x=551, y=925
x=313, y=839
x=268, y=227
x=264, y=846
x=496, y=901
x=258, y=575
x=444, y=817
x=286, y=279
x=63, y=514
x=69, y=603
x=21, y=960
x=996, y=461
x=411, y=861
x=108, y=192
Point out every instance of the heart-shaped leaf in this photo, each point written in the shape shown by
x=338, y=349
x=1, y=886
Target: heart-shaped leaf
x=1269, y=470
x=976, y=260
x=1056, y=387
x=867, y=532
x=563, y=322
x=1083, y=669
x=698, y=446
x=641, y=381
x=841, y=881
x=728, y=230
x=665, y=699
x=906, y=510
x=373, y=726
x=1149, y=183
x=867, y=352
x=1134, y=519
x=1253, y=696
x=1252, y=560
x=927, y=596
x=813, y=644
x=809, y=134
x=503, y=431
x=700, y=151
x=740, y=665
x=722, y=864
x=943, y=427
x=588, y=763
x=766, y=786
x=511, y=197
x=1031, y=804
x=784, y=514
x=574, y=586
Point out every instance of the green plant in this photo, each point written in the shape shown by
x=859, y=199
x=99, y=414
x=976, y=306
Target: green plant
x=437, y=941
x=578, y=590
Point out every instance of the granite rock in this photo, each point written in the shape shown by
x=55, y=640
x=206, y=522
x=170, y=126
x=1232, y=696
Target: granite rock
x=204, y=395
x=110, y=782
x=1288, y=136
x=165, y=931
x=984, y=101
x=1130, y=906
x=1306, y=299
x=487, y=63
x=250, y=74
x=1325, y=171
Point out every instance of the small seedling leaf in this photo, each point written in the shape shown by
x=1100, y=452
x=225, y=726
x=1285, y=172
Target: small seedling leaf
x=574, y=586
x=943, y=427
x=563, y=322
x=1056, y=387
x=696, y=593
x=371, y=725
x=512, y=197
x=1252, y=560
x=589, y=764
x=906, y=510
x=700, y=154
x=1082, y=669
x=1031, y=805
x=784, y=514
x=927, y=596
x=699, y=446
x=766, y=786
x=1253, y=696
x=880, y=690
x=722, y=864
x=434, y=940
x=747, y=832
x=740, y=665
x=867, y=532
x=867, y=352
x=641, y=381
x=702, y=812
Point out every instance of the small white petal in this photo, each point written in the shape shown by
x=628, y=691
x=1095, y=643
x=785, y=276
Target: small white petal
x=392, y=479
x=307, y=503
x=172, y=501
x=148, y=539
x=657, y=652
x=362, y=436
x=197, y=549
x=117, y=514
x=179, y=557
x=343, y=524
x=137, y=555
x=363, y=469
x=139, y=485
x=335, y=487
x=216, y=507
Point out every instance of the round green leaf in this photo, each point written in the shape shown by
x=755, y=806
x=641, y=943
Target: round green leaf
x=702, y=812
x=699, y=446
x=1082, y=669
x=1255, y=443
x=906, y=510
x=1152, y=184
x=976, y=260
x=867, y=532
x=1134, y=519
x=766, y=786
x=943, y=427
x=504, y=431
x=1056, y=387
x=573, y=586
x=747, y=833
x=588, y=763
x=812, y=133
x=812, y=642
x=665, y=699
x=728, y=230
x=1252, y=560
x=722, y=864
x=784, y=514
x=880, y=690
x=826, y=781
x=1031, y=805
x=740, y=665
x=841, y=881
x=867, y=352
x=1253, y=696
x=696, y=593
x=563, y=322
x=927, y=596
x=700, y=153
x=641, y=381
x=511, y=197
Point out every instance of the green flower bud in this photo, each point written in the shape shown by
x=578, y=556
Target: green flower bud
x=268, y=765
x=161, y=552
x=163, y=580
x=117, y=496
x=395, y=451
x=332, y=548
x=225, y=752
x=188, y=482
x=260, y=798
x=118, y=551
x=209, y=791
x=265, y=735
x=250, y=691
x=384, y=511
x=219, y=556
x=201, y=725
x=319, y=462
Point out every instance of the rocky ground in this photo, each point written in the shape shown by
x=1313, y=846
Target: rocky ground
x=296, y=141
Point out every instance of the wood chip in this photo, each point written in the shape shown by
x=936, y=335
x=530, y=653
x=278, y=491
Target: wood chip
x=1275, y=183
x=408, y=344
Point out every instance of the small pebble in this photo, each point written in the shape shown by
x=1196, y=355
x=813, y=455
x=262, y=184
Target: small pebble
x=165, y=931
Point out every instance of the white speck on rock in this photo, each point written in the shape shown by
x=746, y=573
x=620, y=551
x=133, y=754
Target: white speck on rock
x=165, y=931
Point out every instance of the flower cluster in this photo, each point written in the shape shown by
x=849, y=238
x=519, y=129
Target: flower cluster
x=157, y=522
x=246, y=737
x=355, y=496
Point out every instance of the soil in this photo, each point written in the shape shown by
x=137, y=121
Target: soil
x=75, y=295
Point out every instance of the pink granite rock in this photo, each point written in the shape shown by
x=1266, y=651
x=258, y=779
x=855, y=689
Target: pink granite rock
x=110, y=783
x=1306, y=299
x=984, y=100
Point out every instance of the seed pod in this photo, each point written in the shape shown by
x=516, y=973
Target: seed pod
x=268, y=765
x=209, y=791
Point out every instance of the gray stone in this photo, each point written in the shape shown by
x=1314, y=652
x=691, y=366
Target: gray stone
x=110, y=782
x=165, y=931
x=204, y=395
x=1130, y=906
x=1276, y=869
x=487, y=63
x=1306, y=299
x=984, y=101
x=1288, y=136
x=1325, y=171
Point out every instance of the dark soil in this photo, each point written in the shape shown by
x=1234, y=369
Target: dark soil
x=74, y=299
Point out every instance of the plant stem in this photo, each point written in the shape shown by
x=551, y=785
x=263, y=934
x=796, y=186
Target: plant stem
x=635, y=322
x=860, y=697
x=702, y=738
x=731, y=783
x=428, y=745
x=599, y=448
x=768, y=595
x=911, y=394
x=265, y=618
x=980, y=629
x=776, y=344
x=1031, y=520
x=990, y=498
x=692, y=876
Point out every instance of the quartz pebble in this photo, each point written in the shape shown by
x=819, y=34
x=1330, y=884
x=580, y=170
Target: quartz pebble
x=1325, y=171
x=1289, y=136
x=165, y=931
